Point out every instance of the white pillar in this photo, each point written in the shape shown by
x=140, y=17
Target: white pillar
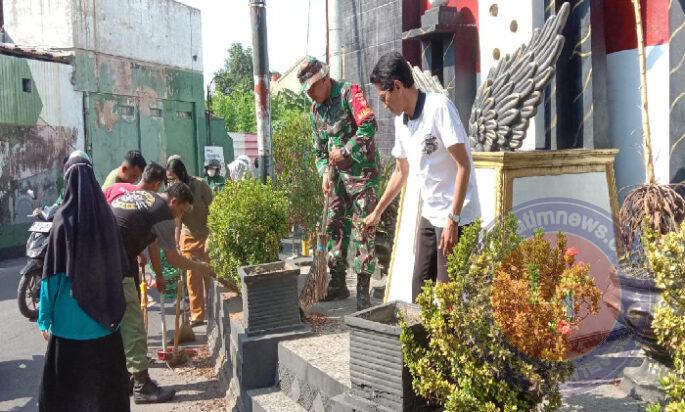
x=335, y=38
x=504, y=25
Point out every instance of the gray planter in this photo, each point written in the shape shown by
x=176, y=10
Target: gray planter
x=638, y=299
x=269, y=293
x=377, y=370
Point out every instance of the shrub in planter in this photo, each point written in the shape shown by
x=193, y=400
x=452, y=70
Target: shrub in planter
x=476, y=356
x=247, y=221
x=295, y=169
x=666, y=257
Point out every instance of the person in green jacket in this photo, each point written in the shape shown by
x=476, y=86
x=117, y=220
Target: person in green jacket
x=213, y=176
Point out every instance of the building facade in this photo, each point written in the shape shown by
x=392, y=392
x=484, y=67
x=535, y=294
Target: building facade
x=594, y=100
x=105, y=77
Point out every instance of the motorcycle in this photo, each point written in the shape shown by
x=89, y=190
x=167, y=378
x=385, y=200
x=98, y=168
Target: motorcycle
x=28, y=291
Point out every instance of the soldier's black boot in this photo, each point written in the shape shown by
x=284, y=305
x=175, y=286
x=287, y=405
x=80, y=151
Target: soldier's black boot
x=337, y=288
x=363, y=297
x=146, y=390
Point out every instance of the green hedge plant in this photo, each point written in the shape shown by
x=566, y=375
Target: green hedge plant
x=247, y=221
x=295, y=170
x=468, y=364
x=666, y=257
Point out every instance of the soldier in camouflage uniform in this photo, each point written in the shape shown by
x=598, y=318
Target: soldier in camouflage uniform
x=343, y=126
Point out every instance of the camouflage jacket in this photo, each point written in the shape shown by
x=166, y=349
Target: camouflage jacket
x=347, y=120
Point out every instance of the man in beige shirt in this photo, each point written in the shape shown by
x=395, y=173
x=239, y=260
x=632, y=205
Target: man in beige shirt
x=194, y=232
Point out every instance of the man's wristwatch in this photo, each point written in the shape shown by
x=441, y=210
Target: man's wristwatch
x=454, y=218
x=344, y=151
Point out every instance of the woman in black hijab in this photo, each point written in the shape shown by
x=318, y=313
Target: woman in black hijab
x=82, y=301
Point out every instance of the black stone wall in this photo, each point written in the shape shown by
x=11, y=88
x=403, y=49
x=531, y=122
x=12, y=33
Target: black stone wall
x=371, y=28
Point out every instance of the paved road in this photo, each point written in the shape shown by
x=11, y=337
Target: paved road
x=22, y=351
x=22, y=348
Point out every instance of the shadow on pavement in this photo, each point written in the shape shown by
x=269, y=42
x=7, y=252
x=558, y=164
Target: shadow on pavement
x=21, y=378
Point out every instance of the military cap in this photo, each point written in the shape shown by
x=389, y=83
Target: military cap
x=311, y=70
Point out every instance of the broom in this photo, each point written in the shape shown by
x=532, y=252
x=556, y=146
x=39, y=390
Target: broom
x=177, y=357
x=186, y=333
x=317, y=280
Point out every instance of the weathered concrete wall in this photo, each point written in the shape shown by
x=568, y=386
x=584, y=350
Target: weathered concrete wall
x=156, y=108
x=41, y=23
x=135, y=82
x=170, y=32
x=41, y=120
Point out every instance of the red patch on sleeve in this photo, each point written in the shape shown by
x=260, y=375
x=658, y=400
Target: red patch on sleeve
x=360, y=107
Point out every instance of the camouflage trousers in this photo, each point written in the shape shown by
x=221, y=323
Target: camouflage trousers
x=346, y=214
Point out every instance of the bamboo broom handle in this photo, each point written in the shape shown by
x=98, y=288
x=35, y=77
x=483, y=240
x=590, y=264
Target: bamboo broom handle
x=647, y=135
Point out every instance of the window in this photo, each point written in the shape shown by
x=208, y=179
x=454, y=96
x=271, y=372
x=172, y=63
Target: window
x=26, y=85
x=154, y=112
x=184, y=115
x=125, y=110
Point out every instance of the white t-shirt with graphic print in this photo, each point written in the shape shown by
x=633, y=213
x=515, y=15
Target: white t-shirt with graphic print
x=423, y=141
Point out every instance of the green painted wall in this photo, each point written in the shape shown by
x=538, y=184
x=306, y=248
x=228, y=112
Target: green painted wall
x=17, y=106
x=221, y=138
x=31, y=151
x=163, y=106
x=127, y=104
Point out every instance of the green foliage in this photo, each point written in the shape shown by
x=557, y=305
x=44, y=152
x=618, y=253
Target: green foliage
x=247, y=221
x=287, y=102
x=666, y=257
x=388, y=221
x=237, y=109
x=294, y=160
x=467, y=362
x=236, y=76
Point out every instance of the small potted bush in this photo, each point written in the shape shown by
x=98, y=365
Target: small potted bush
x=294, y=164
x=247, y=221
x=650, y=206
x=497, y=332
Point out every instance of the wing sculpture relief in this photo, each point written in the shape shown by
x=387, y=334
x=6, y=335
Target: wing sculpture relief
x=508, y=99
x=427, y=82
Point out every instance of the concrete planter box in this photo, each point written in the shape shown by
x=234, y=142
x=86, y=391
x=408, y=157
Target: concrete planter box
x=377, y=370
x=269, y=293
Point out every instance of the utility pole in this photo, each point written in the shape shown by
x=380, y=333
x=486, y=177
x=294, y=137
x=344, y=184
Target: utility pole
x=334, y=48
x=260, y=64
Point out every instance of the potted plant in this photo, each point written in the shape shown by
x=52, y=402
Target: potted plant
x=653, y=207
x=294, y=165
x=269, y=293
x=247, y=221
x=497, y=332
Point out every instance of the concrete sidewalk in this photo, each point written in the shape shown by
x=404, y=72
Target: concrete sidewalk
x=196, y=384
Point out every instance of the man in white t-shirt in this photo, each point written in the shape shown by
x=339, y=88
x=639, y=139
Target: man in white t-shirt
x=430, y=143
